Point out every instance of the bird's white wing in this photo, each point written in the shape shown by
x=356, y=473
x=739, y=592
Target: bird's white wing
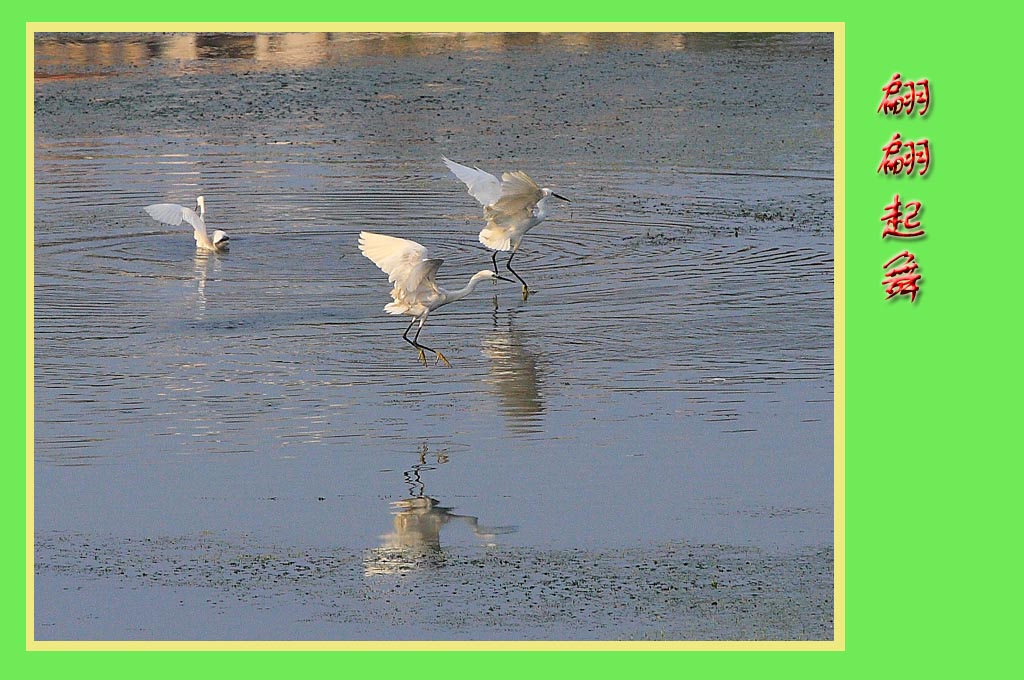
x=168, y=213
x=483, y=186
x=519, y=196
x=518, y=192
x=174, y=214
x=405, y=262
x=197, y=223
x=419, y=285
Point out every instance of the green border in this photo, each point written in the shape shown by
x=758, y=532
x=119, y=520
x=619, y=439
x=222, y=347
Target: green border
x=930, y=462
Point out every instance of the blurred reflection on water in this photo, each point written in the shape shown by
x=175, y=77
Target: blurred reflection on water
x=64, y=55
x=514, y=374
x=415, y=542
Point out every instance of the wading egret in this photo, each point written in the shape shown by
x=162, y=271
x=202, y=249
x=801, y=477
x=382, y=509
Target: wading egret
x=512, y=207
x=174, y=214
x=416, y=292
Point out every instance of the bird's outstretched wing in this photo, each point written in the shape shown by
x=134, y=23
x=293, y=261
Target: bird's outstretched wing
x=519, y=197
x=405, y=262
x=174, y=214
x=518, y=192
x=483, y=186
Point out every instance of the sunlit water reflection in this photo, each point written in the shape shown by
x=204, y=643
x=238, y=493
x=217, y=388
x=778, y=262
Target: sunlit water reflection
x=668, y=383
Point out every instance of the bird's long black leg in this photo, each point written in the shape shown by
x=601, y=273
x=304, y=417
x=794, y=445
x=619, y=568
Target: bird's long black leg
x=405, y=335
x=526, y=289
x=415, y=342
x=494, y=268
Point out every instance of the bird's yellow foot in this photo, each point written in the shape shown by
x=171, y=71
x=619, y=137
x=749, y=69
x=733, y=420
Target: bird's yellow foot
x=423, y=357
x=526, y=293
x=441, y=357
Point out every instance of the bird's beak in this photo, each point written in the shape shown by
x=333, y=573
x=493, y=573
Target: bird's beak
x=561, y=197
x=502, y=278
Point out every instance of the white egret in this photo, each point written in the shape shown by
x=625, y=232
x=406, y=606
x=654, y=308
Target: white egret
x=174, y=214
x=415, y=292
x=512, y=207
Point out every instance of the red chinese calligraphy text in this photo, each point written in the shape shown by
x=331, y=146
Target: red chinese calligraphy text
x=902, y=279
x=898, y=223
x=894, y=102
x=895, y=161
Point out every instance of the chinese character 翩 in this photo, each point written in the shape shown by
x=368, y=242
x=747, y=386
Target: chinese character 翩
x=894, y=102
x=895, y=163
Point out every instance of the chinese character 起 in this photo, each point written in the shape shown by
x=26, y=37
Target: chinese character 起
x=902, y=279
x=896, y=220
x=893, y=162
x=894, y=102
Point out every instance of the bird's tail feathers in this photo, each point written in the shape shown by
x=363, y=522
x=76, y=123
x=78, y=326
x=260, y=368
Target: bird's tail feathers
x=495, y=238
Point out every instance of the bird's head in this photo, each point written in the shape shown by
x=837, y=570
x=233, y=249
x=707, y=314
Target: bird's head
x=200, y=204
x=549, y=192
x=220, y=240
x=487, y=275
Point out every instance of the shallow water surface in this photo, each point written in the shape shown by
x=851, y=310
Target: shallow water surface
x=241, y=446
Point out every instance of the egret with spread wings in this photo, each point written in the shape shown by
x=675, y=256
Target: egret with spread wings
x=413, y=273
x=174, y=214
x=512, y=206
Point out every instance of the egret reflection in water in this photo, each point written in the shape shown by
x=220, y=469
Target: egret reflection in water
x=415, y=542
x=515, y=374
x=201, y=273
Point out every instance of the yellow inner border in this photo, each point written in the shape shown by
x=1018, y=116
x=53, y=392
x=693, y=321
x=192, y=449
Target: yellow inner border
x=838, y=31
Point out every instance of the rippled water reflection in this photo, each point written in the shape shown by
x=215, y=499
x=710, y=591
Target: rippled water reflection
x=669, y=381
